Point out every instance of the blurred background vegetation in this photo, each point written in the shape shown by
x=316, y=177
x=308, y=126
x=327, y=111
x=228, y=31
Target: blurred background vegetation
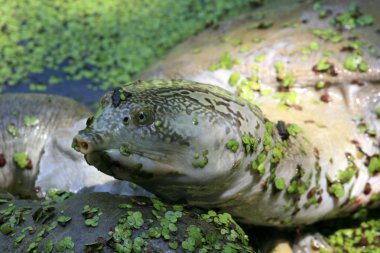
x=81, y=48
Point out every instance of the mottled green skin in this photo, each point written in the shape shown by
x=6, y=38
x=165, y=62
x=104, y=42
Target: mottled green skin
x=165, y=153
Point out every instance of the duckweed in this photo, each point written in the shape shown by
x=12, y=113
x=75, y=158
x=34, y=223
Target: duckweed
x=279, y=66
x=22, y=160
x=260, y=58
x=236, y=42
x=202, y=163
x=243, y=49
x=124, y=150
x=328, y=35
x=377, y=111
x=279, y=183
x=256, y=40
x=31, y=120
x=234, y=78
x=323, y=14
x=250, y=143
x=320, y=85
x=106, y=42
x=360, y=239
x=344, y=176
x=316, y=6
x=62, y=219
x=92, y=215
x=323, y=65
x=259, y=164
x=294, y=129
x=37, y=87
x=314, y=46
x=158, y=123
x=195, y=121
x=287, y=79
x=354, y=62
x=374, y=165
x=352, y=18
x=232, y=145
x=65, y=243
x=12, y=130
x=226, y=62
x=337, y=190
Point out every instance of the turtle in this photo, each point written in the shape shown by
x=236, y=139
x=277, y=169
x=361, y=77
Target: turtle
x=272, y=117
x=28, y=120
x=249, y=152
x=36, y=153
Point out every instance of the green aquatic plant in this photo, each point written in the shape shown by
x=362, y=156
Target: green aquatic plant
x=106, y=42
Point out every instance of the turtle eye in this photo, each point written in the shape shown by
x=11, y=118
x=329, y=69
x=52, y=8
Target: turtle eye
x=143, y=116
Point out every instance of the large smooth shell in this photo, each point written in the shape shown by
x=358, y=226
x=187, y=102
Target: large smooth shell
x=331, y=127
x=52, y=112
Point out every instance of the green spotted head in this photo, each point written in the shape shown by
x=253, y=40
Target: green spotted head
x=167, y=136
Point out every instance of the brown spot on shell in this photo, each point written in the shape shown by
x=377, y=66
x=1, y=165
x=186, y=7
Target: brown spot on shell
x=311, y=193
x=2, y=160
x=367, y=189
x=296, y=210
x=29, y=166
x=357, y=82
x=316, y=153
x=347, y=49
x=282, y=88
x=326, y=98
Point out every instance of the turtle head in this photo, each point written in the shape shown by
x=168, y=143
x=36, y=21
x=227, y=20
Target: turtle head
x=149, y=134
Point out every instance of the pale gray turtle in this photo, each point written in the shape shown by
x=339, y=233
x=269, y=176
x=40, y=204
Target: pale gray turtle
x=265, y=157
x=35, y=148
x=27, y=121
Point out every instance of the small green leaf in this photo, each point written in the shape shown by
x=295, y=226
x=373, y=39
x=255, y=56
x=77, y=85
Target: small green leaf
x=337, y=190
x=294, y=130
x=22, y=160
x=31, y=121
x=374, y=165
x=12, y=130
x=279, y=183
x=234, y=78
x=62, y=219
x=232, y=145
x=65, y=243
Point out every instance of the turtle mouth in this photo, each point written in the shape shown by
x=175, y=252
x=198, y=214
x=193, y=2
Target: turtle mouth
x=130, y=171
x=101, y=161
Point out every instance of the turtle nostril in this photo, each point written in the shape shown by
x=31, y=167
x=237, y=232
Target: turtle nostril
x=83, y=145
